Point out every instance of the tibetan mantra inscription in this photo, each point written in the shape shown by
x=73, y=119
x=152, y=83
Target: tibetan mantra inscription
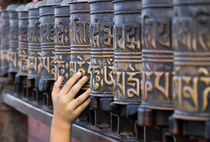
x=62, y=43
x=34, y=45
x=13, y=40
x=80, y=39
x=127, y=52
x=102, y=56
x=157, y=54
x=47, y=42
x=191, y=42
x=22, y=40
x=4, y=42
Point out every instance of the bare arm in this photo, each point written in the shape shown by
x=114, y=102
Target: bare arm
x=66, y=107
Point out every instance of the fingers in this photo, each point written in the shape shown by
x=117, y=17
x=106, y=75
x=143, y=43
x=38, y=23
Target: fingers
x=82, y=106
x=81, y=99
x=76, y=88
x=57, y=86
x=70, y=83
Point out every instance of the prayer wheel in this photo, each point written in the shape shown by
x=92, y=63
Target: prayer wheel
x=21, y=76
x=157, y=52
x=102, y=58
x=80, y=44
x=13, y=39
x=4, y=42
x=34, y=53
x=62, y=41
x=127, y=65
x=80, y=39
x=127, y=52
x=191, y=88
x=47, y=33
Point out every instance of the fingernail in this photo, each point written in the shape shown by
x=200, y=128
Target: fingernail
x=60, y=78
x=79, y=73
x=89, y=90
x=85, y=78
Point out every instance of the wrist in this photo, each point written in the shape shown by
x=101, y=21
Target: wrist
x=61, y=123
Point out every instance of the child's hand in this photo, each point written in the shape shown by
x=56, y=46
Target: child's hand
x=66, y=107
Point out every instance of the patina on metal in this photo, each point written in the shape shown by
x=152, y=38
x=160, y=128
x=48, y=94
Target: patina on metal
x=21, y=76
x=102, y=58
x=191, y=44
x=47, y=33
x=34, y=52
x=80, y=44
x=157, y=59
x=80, y=39
x=127, y=65
x=62, y=40
x=13, y=39
x=4, y=42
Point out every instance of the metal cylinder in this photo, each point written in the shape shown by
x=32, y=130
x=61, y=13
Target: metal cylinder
x=191, y=44
x=4, y=42
x=80, y=39
x=102, y=54
x=34, y=45
x=47, y=33
x=127, y=51
x=23, y=39
x=62, y=41
x=157, y=54
x=13, y=38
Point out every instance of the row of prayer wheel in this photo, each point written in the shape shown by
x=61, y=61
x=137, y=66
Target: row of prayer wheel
x=147, y=60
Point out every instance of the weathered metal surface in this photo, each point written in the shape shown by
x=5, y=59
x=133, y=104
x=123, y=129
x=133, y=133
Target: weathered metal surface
x=13, y=38
x=23, y=39
x=80, y=39
x=47, y=33
x=62, y=41
x=191, y=42
x=127, y=52
x=4, y=42
x=157, y=54
x=34, y=51
x=102, y=55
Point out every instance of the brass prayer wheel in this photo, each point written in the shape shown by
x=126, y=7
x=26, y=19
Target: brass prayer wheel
x=34, y=53
x=157, y=54
x=102, y=55
x=80, y=39
x=13, y=38
x=34, y=45
x=62, y=41
x=47, y=33
x=127, y=52
x=191, y=42
x=4, y=42
x=23, y=39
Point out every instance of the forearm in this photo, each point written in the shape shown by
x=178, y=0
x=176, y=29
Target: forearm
x=60, y=132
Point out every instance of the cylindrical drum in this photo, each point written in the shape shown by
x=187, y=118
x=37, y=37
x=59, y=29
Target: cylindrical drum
x=80, y=38
x=191, y=44
x=23, y=39
x=13, y=38
x=127, y=51
x=47, y=33
x=34, y=45
x=157, y=54
x=4, y=42
x=102, y=54
x=62, y=41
